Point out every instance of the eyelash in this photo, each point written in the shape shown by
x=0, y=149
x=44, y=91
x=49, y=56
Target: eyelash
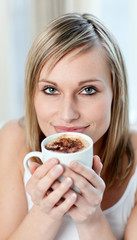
x=89, y=87
x=94, y=90
x=47, y=88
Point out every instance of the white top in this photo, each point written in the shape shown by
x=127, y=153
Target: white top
x=117, y=215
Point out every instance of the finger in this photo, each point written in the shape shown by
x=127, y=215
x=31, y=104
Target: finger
x=55, y=186
x=44, y=184
x=91, y=196
x=80, y=199
x=33, y=166
x=89, y=183
x=89, y=175
x=53, y=198
x=38, y=174
x=45, y=167
x=64, y=207
x=97, y=165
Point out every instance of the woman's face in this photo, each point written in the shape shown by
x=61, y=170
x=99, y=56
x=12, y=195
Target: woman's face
x=76, y=95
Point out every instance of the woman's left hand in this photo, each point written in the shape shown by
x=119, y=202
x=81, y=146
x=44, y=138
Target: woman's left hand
x=91, y=186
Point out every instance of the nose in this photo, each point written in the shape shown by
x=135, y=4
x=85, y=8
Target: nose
x=68, y=110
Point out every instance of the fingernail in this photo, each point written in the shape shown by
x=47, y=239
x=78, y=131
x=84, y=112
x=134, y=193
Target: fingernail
x=30, y=162
x=74, y=164
x=68, y=181
x=58, y=169
x=101, y=165
x=73, y=196
x=52, y=161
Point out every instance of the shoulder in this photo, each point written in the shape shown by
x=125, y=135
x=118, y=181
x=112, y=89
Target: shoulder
x=12, y=141
x=12, y=131
x=11, y=126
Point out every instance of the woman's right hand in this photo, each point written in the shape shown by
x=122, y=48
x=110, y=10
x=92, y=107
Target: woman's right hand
x=40, y=183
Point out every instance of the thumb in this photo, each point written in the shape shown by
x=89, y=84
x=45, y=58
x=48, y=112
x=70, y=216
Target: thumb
x=33, y=166
x=97, y=164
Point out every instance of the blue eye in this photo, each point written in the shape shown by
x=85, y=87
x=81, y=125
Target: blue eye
x=88, y=91
x=50, y=91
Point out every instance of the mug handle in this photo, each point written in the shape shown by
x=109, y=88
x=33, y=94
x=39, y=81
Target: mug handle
x=30, y=155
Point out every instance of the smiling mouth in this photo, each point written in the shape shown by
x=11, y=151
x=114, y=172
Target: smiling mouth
x=60, y=129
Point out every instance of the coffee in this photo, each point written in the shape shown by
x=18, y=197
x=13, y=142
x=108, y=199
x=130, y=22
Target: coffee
x=67, y=144
x=66, y=147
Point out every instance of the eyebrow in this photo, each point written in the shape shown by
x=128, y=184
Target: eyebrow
x=80, y=83
x=47, y=81
x=90, y=80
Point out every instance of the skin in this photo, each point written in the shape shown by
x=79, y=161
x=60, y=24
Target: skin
x=69, y=105
x=67, y=109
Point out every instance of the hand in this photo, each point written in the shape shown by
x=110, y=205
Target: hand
x=39, y=185
x=91, y=187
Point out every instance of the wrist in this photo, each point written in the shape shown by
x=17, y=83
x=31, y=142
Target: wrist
x=43, y=222
x=96, y=227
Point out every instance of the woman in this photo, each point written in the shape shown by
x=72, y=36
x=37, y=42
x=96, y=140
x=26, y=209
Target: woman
x=75, y=81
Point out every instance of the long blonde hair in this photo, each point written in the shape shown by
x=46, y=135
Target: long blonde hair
x=61, y=36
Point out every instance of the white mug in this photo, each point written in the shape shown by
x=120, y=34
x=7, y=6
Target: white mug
x=84, y=156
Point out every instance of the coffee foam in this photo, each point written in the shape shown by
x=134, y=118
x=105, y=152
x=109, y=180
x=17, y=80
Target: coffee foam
x=75, y=144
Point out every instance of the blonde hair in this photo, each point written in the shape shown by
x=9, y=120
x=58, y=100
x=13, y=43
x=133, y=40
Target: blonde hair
x=61, y=36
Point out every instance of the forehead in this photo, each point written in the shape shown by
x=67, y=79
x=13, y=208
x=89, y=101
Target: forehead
x=79, y=64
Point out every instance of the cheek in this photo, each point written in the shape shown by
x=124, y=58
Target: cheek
x=46, y=111
x=103, y=111
x=100, y=117
x=41, y=107
x=98, y=110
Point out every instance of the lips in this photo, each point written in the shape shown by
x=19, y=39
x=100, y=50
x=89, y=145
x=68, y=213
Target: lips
x=60, y=129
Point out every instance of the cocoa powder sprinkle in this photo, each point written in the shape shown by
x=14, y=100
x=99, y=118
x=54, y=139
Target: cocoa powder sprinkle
x=66, y=145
